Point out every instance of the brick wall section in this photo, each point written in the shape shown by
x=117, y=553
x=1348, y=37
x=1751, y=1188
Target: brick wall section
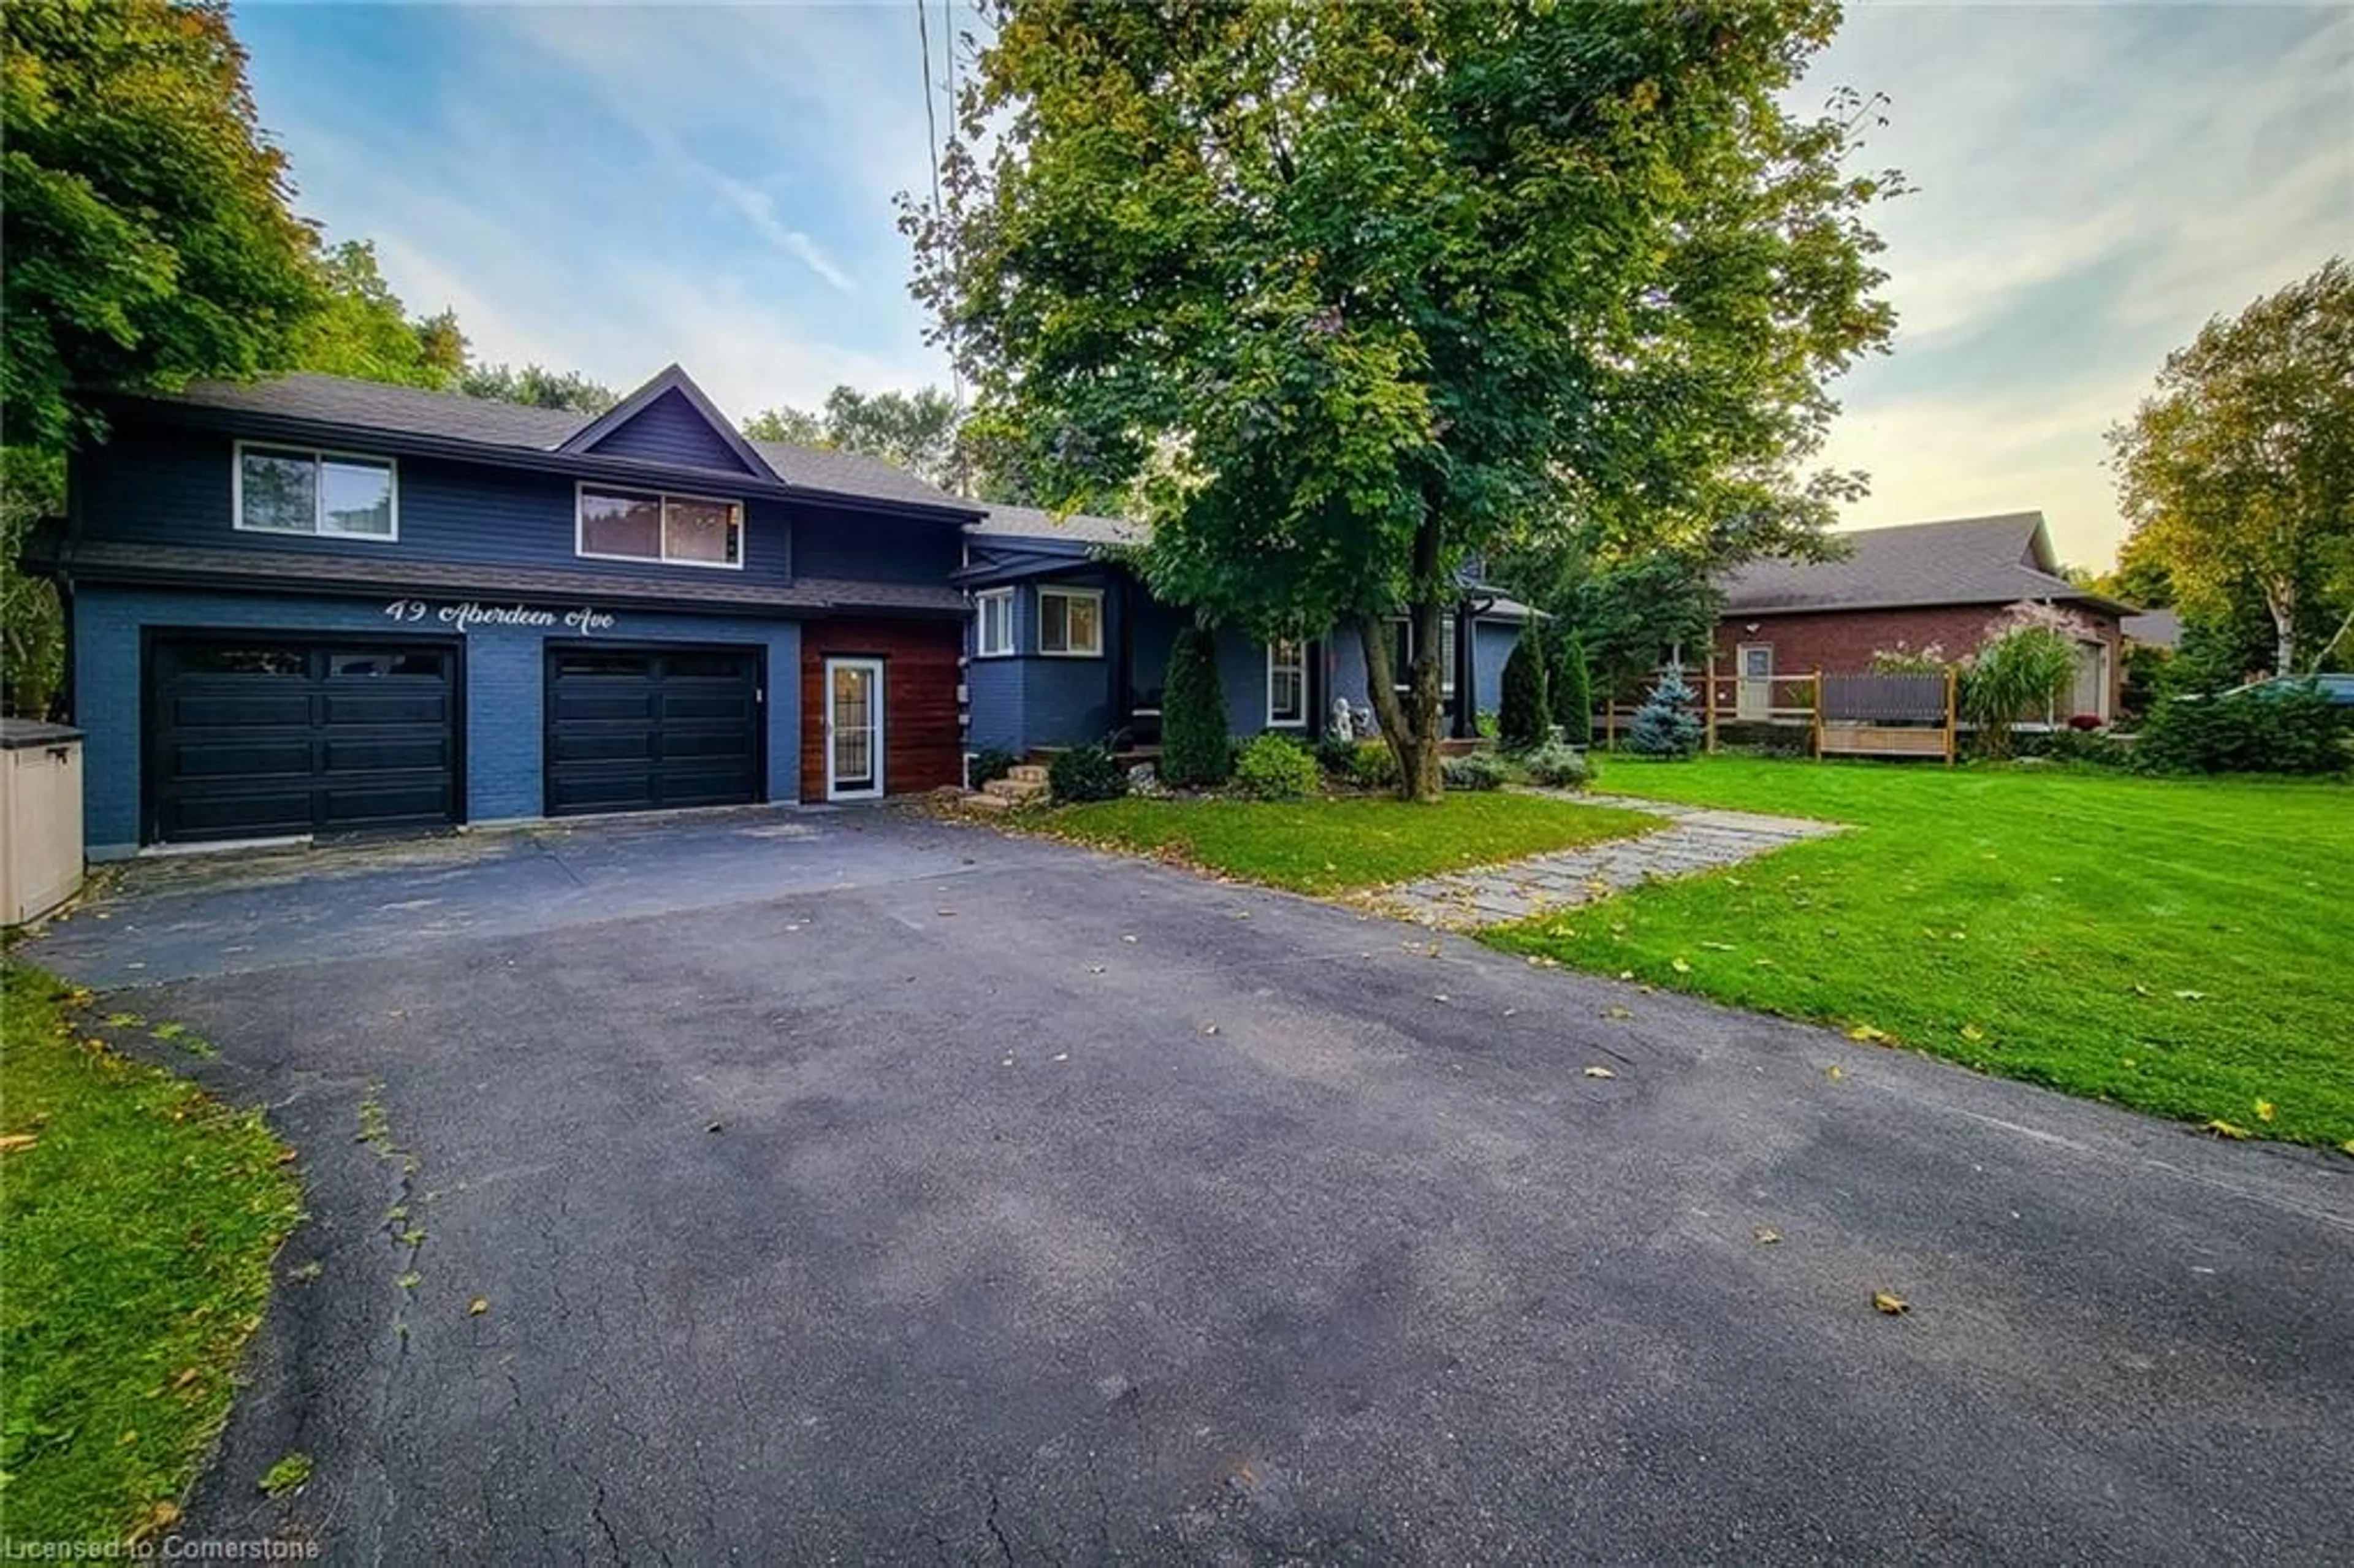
x=922, y=738
x=1844, y=642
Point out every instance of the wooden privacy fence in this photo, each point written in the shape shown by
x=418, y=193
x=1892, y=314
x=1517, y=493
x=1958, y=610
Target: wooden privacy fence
x=1885, y=715
x=1843, y=716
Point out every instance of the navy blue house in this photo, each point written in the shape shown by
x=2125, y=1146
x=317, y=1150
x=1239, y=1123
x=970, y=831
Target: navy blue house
x=1066, y=644
x=313, y=605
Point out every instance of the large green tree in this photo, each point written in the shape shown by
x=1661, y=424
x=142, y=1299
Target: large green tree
x=362, y=329
x=1363, y=291
x=146, y=238
x=2238, y=472
x=918, y=430
x=537, y=387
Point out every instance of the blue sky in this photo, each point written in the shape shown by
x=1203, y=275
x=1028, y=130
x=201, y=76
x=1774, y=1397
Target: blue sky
x=611, y=189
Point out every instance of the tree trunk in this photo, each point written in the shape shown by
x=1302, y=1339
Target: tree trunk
x=1411, y=728
x=2281, y=600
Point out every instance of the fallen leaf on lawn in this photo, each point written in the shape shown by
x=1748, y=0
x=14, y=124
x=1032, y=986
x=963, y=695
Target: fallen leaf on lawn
x=13, y=1142
x=1625, y=974
x=1767, y=1235
x=1718, y=947
x=478, y=1305
x=2189, y=996
x=1680, y=966
x=1600, y=1072
x=2222, y=1128
x=1869, y=1035
x=1973, y=1033
x=1891, y=1303
x=2264, y=1110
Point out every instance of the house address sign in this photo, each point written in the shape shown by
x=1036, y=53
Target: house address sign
x=470, y=613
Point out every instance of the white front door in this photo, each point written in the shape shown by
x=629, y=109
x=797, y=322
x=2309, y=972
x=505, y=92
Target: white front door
x=1753, y=699
x=854, y=729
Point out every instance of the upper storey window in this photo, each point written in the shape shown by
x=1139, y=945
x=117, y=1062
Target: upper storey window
x=290, y=490
x=645, y=525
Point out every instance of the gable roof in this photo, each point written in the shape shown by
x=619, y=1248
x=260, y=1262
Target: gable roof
x=495, y=427
x=1963, y=560
x=670, y=381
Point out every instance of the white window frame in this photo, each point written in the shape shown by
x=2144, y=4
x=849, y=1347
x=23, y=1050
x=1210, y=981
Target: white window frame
x=581, y=488
x=1056, y=590
x=981, y=646
x=319, y=529
x=1299, y=661
x=1402, y=676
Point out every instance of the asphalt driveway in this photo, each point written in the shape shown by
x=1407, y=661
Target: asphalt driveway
x=857, y=1188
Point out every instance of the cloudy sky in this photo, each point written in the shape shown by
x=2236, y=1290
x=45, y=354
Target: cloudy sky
x=609, y=189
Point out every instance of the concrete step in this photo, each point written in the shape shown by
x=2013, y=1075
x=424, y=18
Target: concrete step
x=1015, y=790
x=1028, y=773
x=985, y=803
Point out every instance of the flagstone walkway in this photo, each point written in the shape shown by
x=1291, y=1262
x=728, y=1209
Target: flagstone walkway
x=1697, y=839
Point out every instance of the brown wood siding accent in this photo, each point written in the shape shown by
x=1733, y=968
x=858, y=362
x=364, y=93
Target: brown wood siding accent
x=923, y=746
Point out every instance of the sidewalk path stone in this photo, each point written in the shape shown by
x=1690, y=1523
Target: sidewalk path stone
x=1696, y=839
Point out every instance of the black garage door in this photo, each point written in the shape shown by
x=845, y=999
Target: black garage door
x=636, y=729
x=251, y=738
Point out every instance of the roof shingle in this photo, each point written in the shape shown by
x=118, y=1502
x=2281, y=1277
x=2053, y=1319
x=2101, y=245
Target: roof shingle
x=364, y=405
x=1963, y=560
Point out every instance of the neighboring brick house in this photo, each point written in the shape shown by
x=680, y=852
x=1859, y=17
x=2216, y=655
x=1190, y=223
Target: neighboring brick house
x=1919, y=586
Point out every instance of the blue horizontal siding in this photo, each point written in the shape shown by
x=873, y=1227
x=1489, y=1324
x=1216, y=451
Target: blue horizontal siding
x=1492, y=644
x=504, y=674
x=670, y=430
x=162, y=486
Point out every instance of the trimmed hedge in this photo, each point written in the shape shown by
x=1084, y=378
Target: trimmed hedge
x=1276, y=768
x=2293, y=731
x=1476, y=770
x=1526, y=714
x=1559, y=766
x=1196, y=752
x=1571, y=688
x=1086, y=773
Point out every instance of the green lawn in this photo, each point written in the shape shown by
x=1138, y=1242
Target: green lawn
x=2179, y=946
x=141, y=1218
x=1347, y=842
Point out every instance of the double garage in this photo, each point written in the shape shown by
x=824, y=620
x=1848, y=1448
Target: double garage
x=212, y=719
x=258, y=737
